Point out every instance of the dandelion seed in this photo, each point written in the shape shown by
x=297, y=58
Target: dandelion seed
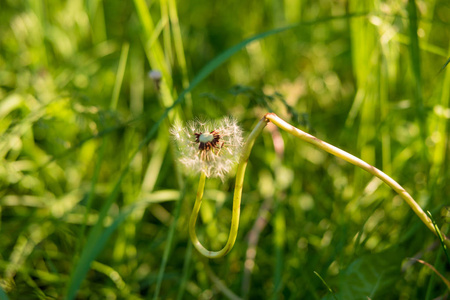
x=209, y=147
x=156, y=76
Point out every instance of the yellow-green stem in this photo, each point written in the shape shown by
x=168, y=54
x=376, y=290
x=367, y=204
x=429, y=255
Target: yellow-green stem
x=240, y=173
x=271, y=117
x=359, y=163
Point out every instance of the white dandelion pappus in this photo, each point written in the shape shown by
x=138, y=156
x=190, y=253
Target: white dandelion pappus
x=212, y=147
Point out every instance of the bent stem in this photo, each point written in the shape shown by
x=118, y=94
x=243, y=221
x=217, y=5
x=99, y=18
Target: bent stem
x=359, y=163
x=240, y=173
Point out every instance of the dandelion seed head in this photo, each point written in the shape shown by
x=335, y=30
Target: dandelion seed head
x=155, y=75
x=206, y=137
x=212, y=147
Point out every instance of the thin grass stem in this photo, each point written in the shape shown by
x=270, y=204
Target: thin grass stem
x=186, y=271
x=169, y=243
x=119, y=77
x=326, y=284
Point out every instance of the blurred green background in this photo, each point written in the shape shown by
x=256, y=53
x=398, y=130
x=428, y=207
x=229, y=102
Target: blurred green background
x=92, y=205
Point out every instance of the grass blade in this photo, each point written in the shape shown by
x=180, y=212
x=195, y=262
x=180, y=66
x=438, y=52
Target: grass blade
x=415, y=65
x=170, y=240
x=325, y=283
x=3, y=295
x=119, y=75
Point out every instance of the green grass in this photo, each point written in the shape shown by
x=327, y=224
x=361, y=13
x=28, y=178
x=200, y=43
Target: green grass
x=92, y=204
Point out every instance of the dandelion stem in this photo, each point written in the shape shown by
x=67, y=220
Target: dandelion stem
x=240, y=173
x=271, y=117
x=359, y=163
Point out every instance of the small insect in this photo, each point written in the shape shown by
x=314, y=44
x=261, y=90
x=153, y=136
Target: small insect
x=208, y=142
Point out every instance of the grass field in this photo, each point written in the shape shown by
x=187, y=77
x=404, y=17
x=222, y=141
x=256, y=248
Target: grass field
x=94, y=204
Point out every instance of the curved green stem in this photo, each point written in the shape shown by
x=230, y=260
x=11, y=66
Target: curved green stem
x=240, y=173
x=271, y=117
x=359, y=163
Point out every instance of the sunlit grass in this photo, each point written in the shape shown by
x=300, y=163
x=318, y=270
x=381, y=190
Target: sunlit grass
x=92, y=205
